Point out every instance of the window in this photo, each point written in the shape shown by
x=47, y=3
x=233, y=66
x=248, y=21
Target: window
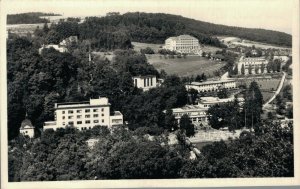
x=71, y=123
x=79, y=111
x=87, y=121
x=87, y=110
x=102, y=114
x=63, y=117
x=95, y=110
x=63, y=112
x=70, y=111
x=102, y=120
x=64, y=123
x=102, y=109
x=96, y=121
x=79, y=116
x=95, y=115
x=79, y=122
x=70, y=117
x=87, y=116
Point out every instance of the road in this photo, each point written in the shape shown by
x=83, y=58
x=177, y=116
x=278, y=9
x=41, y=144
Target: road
x=277, y=91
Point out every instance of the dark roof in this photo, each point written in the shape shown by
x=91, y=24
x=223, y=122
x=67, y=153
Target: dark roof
x=26, y=122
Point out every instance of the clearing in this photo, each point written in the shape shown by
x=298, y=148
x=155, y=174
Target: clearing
x=188, y=66
x=138, y=46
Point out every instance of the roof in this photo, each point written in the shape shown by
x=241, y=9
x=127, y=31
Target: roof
x=185, y=36
x=189, y=108
x=26, y=122
x=211, y=82
x=144, y=76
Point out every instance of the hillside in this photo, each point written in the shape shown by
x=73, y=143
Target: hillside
x=28, y=18
x=156, y=27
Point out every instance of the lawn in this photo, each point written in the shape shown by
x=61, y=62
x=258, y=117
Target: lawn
x=23, y=29
x=138, y=46
x=267, y=86
x=191, y=65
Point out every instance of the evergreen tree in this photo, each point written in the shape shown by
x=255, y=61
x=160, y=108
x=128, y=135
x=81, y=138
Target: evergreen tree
x=243, y=69
x=186, y=125
x=170, y=121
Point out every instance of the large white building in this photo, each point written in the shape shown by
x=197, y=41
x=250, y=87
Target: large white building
x=145, y=82
x=84, y=115
x=207, y=102
x=211, y=85
x=252, y=63
x=196, y=113
x=183, y=44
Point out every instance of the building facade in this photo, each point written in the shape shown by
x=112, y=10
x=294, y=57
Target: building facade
x=84, y=115
x=208, y=86
x=59, y=48
x=207, y=102
x=252, y=65
x=145, y=82
x=196, y=113
x=27, y=128
x=183, y=44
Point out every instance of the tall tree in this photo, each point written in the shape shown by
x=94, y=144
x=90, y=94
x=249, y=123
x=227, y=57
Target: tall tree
x=186, y=125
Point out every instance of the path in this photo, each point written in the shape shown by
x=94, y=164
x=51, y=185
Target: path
x=224, y=76
x=277, y=91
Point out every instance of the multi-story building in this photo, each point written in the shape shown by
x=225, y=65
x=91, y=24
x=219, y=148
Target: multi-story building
x=183, y=44
x=84, y=115
x=251, y=64
x=196, y=113
x=207, y=102
x=145, y=82
x=208, y=86
x=27, y=128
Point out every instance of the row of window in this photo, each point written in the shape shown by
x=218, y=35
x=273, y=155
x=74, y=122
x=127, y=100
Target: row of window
x=80, y=111
x=80, y=116
x=147, y=81
x=86, y=122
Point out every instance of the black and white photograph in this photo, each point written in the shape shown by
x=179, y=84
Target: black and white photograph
x=146, y=91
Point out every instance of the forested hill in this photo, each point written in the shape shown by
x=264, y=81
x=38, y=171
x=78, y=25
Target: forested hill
x=156, y=27
x=28, y=18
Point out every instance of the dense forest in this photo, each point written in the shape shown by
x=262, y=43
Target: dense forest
x=156, y=27
x=125, y=154
x=29, y=18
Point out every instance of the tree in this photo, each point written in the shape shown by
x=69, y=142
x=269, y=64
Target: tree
x=243, y=69
x=262, y=68
x=253, y=106
x=223, y=93
x=170, y=121
x=147, y=50
x=250, y=69
x=186, y=125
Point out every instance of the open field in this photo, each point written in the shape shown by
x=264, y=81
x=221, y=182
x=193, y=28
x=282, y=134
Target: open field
x=248, y=43
x=23, y=29
x=108, y=55
x=191, y=65
x=138, y=46
x=211, y=49
x=267, y=86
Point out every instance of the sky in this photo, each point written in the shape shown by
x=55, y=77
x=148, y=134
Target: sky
x=267, y=14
